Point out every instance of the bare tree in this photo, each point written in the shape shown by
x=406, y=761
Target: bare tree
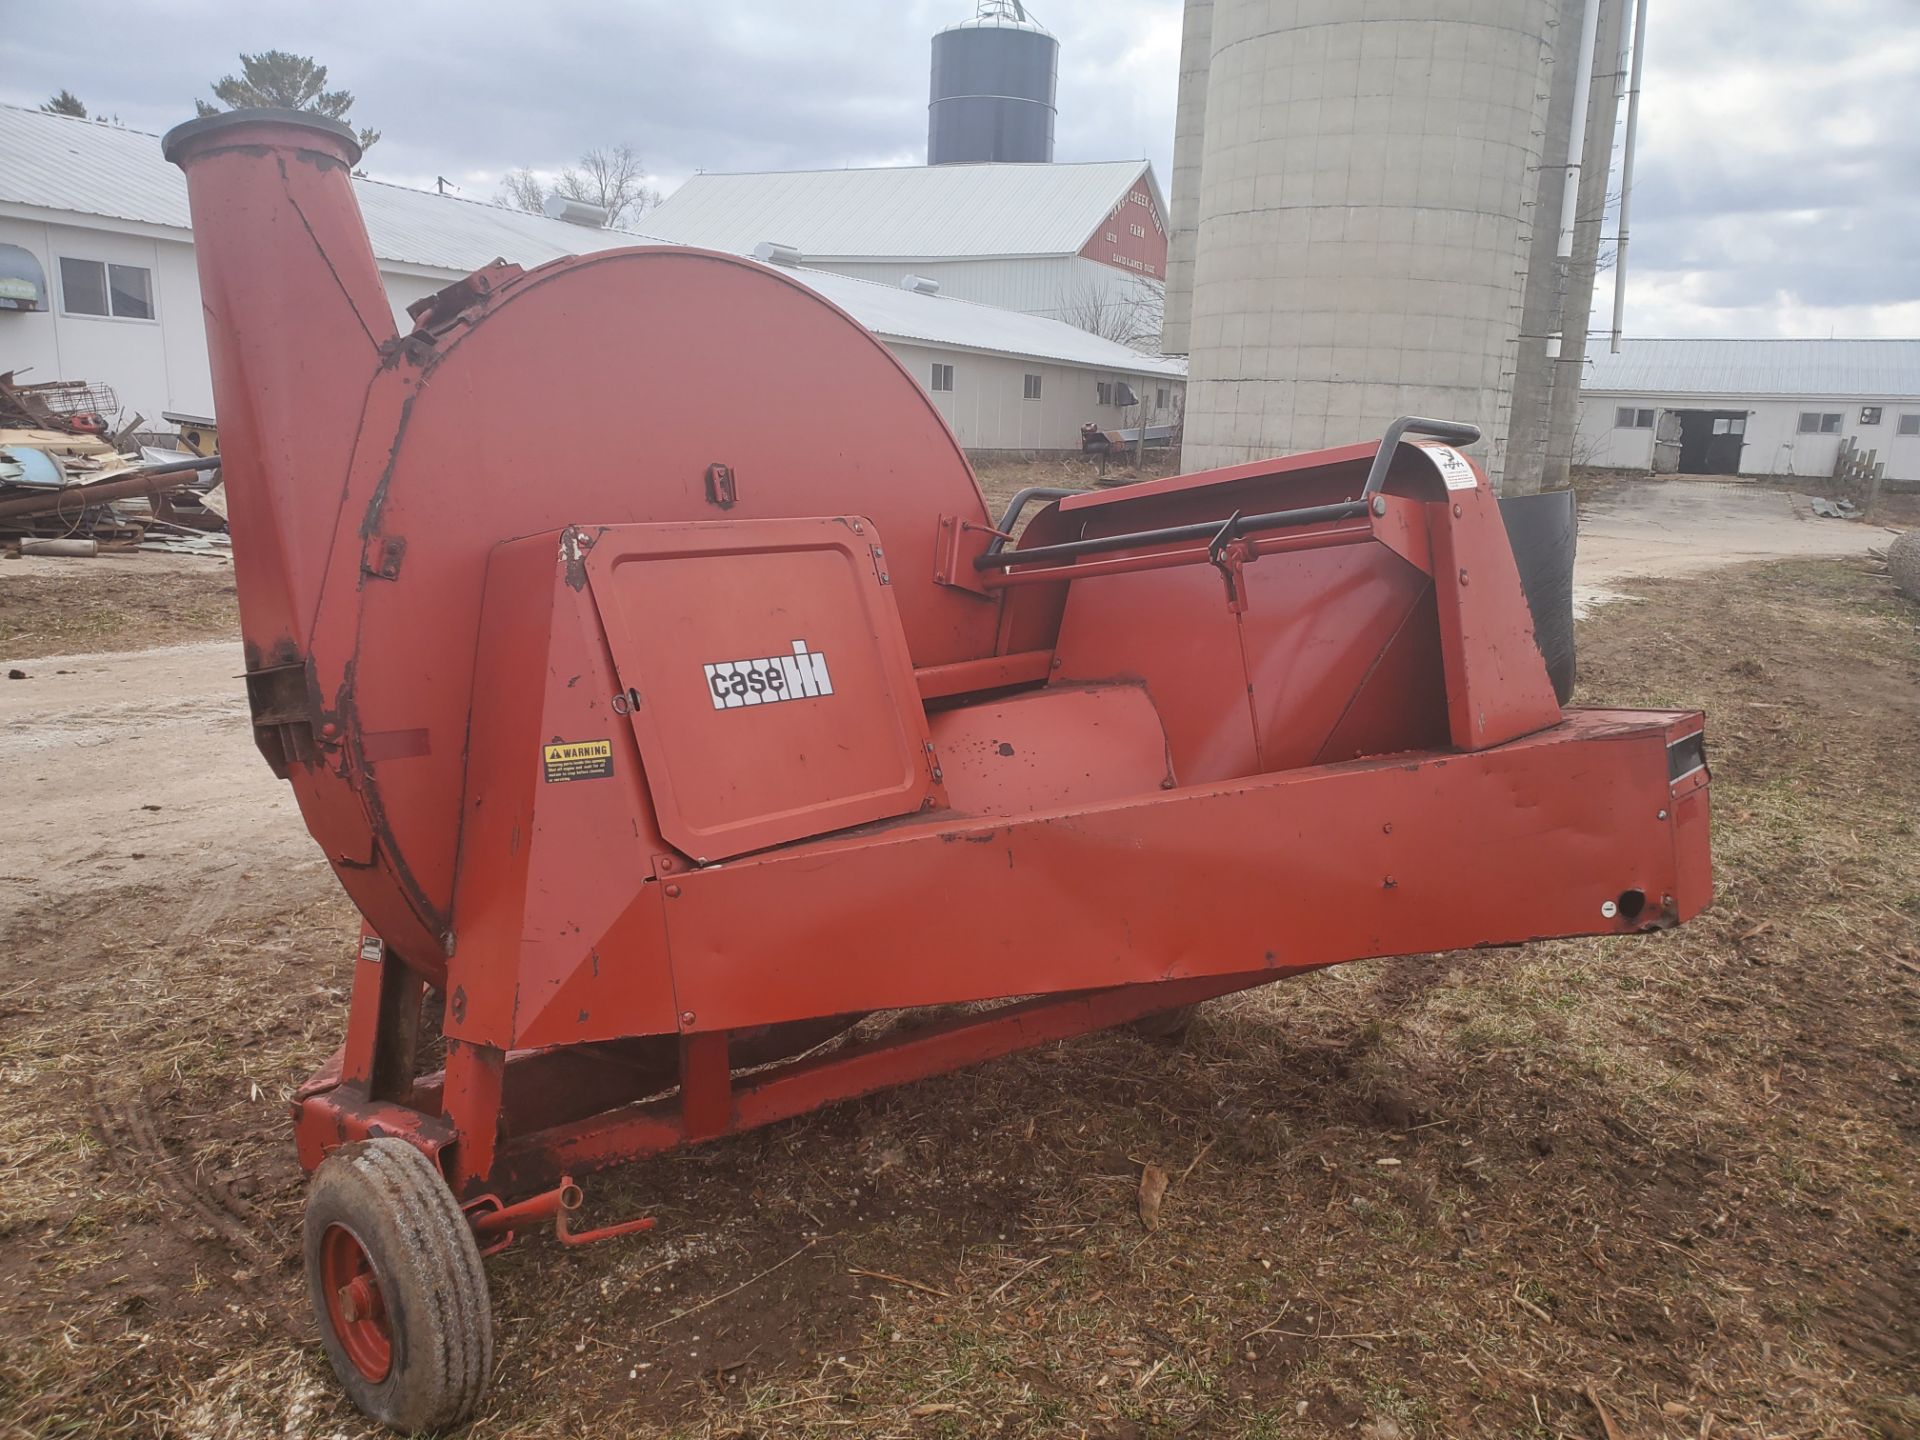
x=610, y=177
x=523, y=190
x=1128, y=316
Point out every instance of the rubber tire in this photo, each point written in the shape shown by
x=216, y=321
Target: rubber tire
x=397, y=1204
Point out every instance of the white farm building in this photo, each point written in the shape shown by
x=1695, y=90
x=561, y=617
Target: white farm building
x=98, y=283
x=1074, y=242
x=1751, y=407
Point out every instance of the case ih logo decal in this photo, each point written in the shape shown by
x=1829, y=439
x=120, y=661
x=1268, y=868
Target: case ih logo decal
x=799, y=676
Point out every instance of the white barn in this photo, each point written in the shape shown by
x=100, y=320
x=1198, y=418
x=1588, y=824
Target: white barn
x=1751, y=407
x=1063, y=241
x=98, y=283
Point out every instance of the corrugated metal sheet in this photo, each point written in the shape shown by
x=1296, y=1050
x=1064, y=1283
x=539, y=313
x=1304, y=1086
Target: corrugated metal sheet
x=903, y=213
x=1860, y=369
x=61, y=164
x=937, y=320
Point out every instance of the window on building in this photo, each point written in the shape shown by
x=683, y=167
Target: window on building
x=943, y=377
x=1815, y=422
x=1910, y=424
x=1628, y=418
x=1033, y=387
x=1869, y=414
x=1112, y=239
x=1139, y=230
x=1162, y=398
x=93, y=287
x=1103, y=392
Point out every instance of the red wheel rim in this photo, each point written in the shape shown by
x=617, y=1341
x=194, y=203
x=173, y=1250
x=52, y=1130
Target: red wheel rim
x=355, y=1308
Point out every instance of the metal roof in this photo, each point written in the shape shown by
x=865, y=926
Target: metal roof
x=1860, y=369
x=81, y=167
x=939, y=320
x=909, y=212
x=57, y=162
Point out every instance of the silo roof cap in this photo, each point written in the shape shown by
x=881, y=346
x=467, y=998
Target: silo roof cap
x=1001, y=15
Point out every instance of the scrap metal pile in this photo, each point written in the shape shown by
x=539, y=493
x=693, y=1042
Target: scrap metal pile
x=68, y=488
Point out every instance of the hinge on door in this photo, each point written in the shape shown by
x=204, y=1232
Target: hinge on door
x=880, y=564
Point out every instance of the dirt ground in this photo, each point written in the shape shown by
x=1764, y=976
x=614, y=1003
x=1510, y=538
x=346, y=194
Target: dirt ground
x=1643, y=527
x=1664, y=1187
x=113, y=602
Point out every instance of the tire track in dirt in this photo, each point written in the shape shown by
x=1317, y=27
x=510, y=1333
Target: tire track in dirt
x=191, y=1205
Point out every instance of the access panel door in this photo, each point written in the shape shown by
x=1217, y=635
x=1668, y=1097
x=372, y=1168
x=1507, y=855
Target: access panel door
x=768, y=680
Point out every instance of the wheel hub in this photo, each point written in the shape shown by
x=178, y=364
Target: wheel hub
x=355, y=1309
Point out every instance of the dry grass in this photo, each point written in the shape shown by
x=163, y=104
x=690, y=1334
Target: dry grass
x=72, y=607
x=1001, y=480
x=1467, y=1194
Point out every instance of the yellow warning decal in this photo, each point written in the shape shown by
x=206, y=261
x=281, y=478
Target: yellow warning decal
x=577, y=760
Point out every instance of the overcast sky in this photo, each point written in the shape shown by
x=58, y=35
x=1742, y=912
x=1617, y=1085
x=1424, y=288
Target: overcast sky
x=1777, y=189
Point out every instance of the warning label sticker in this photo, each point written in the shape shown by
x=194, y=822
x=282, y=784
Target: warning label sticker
x=1455, y=471
x=577, y=760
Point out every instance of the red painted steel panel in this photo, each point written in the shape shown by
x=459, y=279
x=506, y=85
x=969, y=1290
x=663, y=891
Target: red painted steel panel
x=1052, y=748
x=1497, y=685
x=1376, y=857
x=1172, y=631
x=771, y=689
x=1314, y=627
x=557, y=935
x=1402, y=702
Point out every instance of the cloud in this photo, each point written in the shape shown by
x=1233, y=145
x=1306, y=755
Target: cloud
x=1775, y=191
x=473, y=90
x=1775, y=186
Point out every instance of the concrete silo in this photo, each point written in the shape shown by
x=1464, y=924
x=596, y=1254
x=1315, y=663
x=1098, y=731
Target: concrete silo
x=1367, y=178
x=1565, y=248
x=1189, y=136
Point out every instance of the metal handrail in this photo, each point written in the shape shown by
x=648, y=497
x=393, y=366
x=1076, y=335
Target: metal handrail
x=999, y=558
x=1020, y=501
x=1204, y=530
x=1455, y=432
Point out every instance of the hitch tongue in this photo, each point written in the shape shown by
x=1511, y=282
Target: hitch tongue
x=493, y=1221
x=570, y=1199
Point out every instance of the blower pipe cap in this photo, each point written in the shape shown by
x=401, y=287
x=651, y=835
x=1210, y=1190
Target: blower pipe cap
x=179, y=142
